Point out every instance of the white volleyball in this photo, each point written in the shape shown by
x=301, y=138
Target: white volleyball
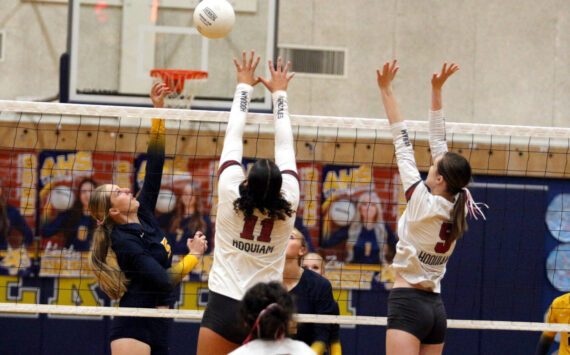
x=166, y=201
x=61, y=198
x=342, y=212
x=214, y=18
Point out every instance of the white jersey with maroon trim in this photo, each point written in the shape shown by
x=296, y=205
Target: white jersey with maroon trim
x=248, y=251
x=274, y=347
x=422, y=251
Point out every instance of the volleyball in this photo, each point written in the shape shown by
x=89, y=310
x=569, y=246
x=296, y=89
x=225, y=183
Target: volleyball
x=342, y=212
x=61, y=198
x=166, y=201
x=214, y=18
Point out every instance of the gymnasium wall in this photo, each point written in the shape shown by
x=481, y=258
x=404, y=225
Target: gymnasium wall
x=513, y=55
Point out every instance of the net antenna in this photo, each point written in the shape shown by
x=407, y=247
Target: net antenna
x=183, y=83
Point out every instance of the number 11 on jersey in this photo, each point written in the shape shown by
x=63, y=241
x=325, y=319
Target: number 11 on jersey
x=249, y=226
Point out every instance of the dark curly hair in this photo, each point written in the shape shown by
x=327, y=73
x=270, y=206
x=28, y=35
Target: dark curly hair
x=262, y=190
x=278, y=305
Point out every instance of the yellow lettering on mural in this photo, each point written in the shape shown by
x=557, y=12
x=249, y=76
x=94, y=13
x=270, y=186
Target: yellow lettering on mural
x=309, y=177
x=47, y=168
x=363, y=176
x=75, y=292
x=343, y=298
x=122, y=173
x=14, y=291
x=180, y=165
x=357, y=177
x=28, y=178
x=167, y=168
x=331, y=181
x=190, y=293
x=82, y=161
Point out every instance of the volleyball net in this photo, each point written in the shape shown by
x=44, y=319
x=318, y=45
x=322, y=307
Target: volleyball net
x=503, y=275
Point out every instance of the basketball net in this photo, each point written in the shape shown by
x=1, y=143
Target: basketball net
x=183, y=83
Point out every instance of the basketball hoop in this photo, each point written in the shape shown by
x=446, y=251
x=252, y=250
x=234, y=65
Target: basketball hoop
x=183, y=83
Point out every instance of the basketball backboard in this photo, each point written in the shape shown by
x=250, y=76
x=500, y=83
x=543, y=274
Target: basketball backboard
x=114, y=44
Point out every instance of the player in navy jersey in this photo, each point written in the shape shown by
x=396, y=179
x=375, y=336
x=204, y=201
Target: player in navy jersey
x=313, y=295
x=429, y=227
x=130, y=256
x=255, y=213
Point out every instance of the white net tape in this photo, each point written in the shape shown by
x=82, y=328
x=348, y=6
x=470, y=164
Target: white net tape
x=301, y=318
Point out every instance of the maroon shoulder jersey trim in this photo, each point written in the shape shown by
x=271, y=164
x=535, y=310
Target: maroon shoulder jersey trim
x=411, y=190
x=227, y=164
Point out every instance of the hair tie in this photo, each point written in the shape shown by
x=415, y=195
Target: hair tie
x=100, y=223
x=279, y=334
x=472, y=207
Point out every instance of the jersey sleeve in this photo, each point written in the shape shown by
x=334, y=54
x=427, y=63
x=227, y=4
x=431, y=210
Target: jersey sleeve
x=154, y=165
x=285, y=148
x=407, y=167
x=437, y=143
x=233, y=144
x=418, y=196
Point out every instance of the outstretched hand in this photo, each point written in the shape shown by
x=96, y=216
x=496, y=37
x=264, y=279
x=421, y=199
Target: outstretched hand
x=387, y=74
x=158, y=92
x=279, y=77
x=198, y=244
x=246, y=71
x=437, y=80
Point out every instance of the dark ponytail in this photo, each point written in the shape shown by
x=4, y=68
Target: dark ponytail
x=262, y=191
x=267, y=309
x=456, y=172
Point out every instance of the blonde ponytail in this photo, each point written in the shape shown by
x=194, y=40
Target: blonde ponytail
x=102, y=259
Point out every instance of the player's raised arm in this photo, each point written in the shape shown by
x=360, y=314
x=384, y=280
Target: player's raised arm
x=404, y=152
x=233, y=145
x=437, y=143
x=277, y=84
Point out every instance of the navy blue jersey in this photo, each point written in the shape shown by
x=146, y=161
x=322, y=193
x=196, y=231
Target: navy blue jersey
x=17, y=222
x=142, y=251
x=313, y=295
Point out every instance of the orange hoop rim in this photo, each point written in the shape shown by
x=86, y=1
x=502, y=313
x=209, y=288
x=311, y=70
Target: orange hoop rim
x=175, y=78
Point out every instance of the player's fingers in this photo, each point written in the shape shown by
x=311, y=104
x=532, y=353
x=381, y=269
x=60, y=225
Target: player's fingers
x=256, y=63
x=386, y=69
x=251, y=58
x=270, y=64
x=278, y=64
x=237, y=64
x=287, y=67
x=290, y=76
x=394, y=62
x=243, y=58
x=443, y=67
